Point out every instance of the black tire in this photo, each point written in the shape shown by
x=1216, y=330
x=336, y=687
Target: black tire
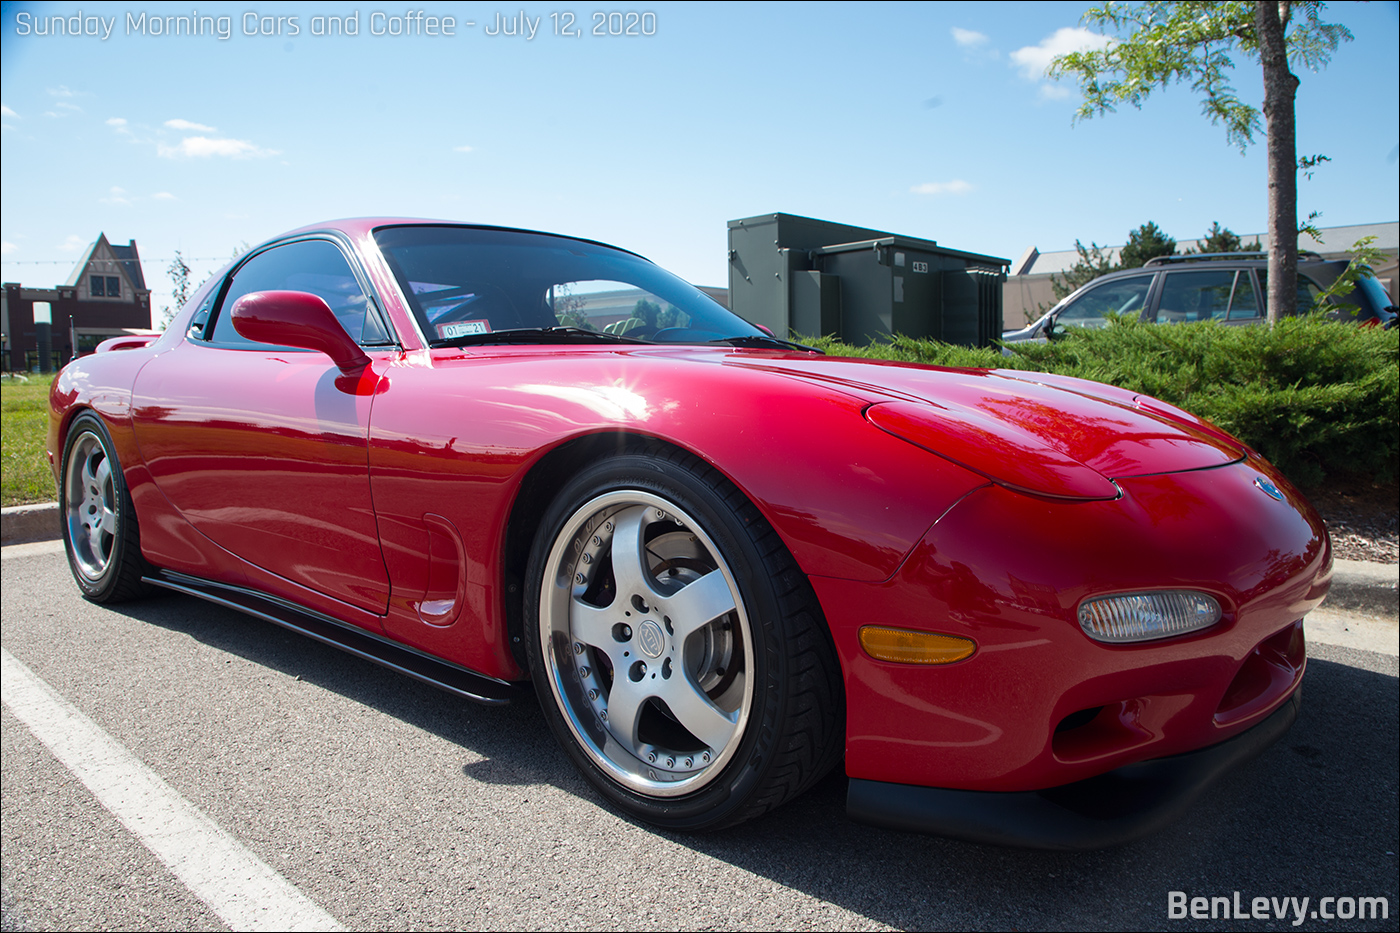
x=99, y=523
x=656, y=588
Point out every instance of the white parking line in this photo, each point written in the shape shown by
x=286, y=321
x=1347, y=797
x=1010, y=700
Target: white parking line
x=217, y=868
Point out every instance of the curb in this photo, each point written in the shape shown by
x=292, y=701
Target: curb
x=1361, y=586
x=20, y=523
x=1357, y=585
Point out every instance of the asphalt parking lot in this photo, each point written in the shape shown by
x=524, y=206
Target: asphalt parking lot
x=388, y=804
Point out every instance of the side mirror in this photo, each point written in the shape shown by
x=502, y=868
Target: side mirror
x=297, y=319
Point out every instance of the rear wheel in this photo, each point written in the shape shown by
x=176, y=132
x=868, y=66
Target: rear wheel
x=99, y=522
x=679, y=653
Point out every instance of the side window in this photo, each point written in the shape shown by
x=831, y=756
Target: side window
x=1307, y=291
x=1121, y=296
x=1243, y=304
x=315, y=266
x=1196, y=296
x=201, y=316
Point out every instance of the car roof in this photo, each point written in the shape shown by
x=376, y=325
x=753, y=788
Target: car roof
x=1251, y=256
x=1306, y=260
x=358, y=227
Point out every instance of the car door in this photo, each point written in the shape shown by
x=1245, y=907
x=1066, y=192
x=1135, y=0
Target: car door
x=264, y=450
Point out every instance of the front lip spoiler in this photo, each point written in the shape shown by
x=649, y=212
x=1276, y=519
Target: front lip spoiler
x=1102, y=811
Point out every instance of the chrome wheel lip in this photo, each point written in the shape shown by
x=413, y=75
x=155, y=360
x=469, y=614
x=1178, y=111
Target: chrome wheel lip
x=622, y=760
x=89, y=494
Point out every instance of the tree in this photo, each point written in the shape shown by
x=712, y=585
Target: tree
x=1093, y=262
x=1144, y=243
x=180, y=280
x=569, y=308
x=1220, y=239
x=179, y=273
x=1162, y=43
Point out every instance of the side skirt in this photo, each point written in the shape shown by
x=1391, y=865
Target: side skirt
x=397, y=657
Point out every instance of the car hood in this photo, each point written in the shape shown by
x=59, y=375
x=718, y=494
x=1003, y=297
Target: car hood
x=1044, y=434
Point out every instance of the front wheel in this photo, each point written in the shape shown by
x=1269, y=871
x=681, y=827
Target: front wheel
x=680, y=655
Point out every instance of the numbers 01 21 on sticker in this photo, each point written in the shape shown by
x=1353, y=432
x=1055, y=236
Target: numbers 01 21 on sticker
x=463, y=328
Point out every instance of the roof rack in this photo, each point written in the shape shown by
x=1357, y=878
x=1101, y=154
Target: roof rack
x=1196, y=257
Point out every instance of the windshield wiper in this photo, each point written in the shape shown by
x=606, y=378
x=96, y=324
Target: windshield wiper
x=545, y=335
x=766, y=340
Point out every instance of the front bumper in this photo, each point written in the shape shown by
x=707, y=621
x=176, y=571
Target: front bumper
x=1106, y=810
x=1040, y=704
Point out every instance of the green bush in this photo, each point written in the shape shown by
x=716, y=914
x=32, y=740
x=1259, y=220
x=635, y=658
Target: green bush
x=1314, y=396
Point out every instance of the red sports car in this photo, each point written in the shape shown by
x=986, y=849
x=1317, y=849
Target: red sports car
x=1021, y=608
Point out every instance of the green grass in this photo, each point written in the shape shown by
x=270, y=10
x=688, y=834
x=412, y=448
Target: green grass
x=24, y=420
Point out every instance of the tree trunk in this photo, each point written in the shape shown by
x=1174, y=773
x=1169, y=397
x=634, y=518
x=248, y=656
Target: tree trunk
x=1280, y=88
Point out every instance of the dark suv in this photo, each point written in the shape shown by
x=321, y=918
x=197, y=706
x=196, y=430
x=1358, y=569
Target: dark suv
x=1227, y=287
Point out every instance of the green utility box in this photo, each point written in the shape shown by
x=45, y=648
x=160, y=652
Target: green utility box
x=798, y=275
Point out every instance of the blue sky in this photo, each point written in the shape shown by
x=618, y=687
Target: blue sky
x=929, y=120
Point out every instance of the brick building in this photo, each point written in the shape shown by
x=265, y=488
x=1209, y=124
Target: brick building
x=106, y=296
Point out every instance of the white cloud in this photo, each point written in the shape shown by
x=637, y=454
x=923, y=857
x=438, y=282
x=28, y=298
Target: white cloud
x=7, y=112
x=6, y=247
x=116, y=121
x=956, y=186
x=967, y=38
x=1032, y=60
x=116, y=196
x=461, y=148
x=62, y=91
x=73, y=243
x=187, y=125
x=203, y=147
x=163, y=196
x=62, y=109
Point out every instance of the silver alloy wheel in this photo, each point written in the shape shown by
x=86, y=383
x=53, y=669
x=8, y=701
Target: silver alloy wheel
x=647, y=643
x=90, y=500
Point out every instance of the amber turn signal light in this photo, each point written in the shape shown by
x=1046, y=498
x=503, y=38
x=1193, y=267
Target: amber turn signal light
x=908, y=647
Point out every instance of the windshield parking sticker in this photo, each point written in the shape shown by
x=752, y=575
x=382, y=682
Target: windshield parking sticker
x=463, y=328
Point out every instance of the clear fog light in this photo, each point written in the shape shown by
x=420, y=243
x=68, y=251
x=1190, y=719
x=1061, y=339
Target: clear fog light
x=1131, y=617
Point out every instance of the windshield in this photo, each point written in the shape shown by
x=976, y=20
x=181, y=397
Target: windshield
x=468, y=282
